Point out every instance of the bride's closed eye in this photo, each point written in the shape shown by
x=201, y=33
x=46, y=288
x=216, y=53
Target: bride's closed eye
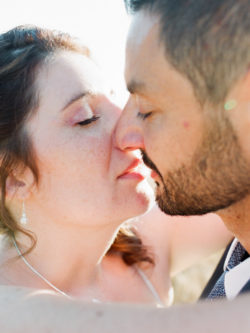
x=88, y=121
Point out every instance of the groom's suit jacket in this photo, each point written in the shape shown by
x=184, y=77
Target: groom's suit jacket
x=218, y=272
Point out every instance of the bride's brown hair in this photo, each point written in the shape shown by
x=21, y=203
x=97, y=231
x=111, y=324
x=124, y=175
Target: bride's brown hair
x=23, y=50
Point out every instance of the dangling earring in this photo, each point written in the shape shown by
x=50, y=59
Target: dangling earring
x=23, y=219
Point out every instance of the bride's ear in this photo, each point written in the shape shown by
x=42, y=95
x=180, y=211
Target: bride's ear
x=19, y=183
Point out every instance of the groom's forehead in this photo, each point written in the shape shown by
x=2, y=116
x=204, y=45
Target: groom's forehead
x=142, y=47
x=141, y=26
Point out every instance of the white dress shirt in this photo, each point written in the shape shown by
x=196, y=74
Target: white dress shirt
x=236, y=277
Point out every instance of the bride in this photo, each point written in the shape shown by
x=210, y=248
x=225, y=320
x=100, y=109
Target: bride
x=66, y=189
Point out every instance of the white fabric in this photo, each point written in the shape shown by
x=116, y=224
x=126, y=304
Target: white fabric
x=237, y=277
x=230, y=252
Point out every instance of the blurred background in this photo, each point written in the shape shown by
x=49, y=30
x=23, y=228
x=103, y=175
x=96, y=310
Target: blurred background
x=189, y=284
x=102, y=26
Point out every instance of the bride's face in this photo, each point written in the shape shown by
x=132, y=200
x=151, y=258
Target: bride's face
x=84, y=177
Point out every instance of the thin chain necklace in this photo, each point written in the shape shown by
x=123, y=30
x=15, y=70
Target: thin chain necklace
x=36, y=272
x=94, y=300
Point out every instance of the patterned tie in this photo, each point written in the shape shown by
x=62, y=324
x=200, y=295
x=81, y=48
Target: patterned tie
x=218, y=290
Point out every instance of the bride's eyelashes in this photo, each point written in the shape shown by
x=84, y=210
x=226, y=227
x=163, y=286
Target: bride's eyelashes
x=88, y=121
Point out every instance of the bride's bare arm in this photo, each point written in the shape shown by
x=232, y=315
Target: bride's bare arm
x=24, y=311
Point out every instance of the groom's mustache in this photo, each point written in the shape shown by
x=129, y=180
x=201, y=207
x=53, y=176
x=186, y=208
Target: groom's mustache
x=149, y=163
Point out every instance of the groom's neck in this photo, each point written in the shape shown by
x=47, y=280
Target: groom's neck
x=237, y=220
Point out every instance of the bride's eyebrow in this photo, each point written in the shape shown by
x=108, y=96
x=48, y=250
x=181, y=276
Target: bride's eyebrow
x=77, y=97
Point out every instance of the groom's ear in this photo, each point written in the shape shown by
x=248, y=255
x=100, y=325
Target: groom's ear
x=19, y=183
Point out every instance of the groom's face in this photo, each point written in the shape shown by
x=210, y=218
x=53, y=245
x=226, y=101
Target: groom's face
x=193, y=150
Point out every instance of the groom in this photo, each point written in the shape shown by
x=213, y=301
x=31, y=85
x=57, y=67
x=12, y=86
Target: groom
x=187, y=71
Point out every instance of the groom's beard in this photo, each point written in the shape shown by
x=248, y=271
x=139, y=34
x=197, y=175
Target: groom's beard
x=217, y=177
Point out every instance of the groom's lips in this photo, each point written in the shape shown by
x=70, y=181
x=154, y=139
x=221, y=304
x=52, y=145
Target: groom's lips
x=154, y=174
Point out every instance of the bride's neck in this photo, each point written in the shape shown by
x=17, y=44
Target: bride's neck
x=69, y=256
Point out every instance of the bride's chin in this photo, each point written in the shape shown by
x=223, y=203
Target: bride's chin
x=137, y=201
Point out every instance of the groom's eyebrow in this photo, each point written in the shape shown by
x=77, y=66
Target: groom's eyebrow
x=136, y=87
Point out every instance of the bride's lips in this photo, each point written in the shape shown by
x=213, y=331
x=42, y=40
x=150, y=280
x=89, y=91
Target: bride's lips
x=133, y=171
x=132, y=175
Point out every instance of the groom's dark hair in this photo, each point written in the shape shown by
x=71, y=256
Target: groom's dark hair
x=207, y=41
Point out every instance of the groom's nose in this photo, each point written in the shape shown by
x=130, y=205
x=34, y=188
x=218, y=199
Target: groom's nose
x=128, y=132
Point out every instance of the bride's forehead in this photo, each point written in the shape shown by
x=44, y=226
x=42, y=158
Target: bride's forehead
x=69, y=73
